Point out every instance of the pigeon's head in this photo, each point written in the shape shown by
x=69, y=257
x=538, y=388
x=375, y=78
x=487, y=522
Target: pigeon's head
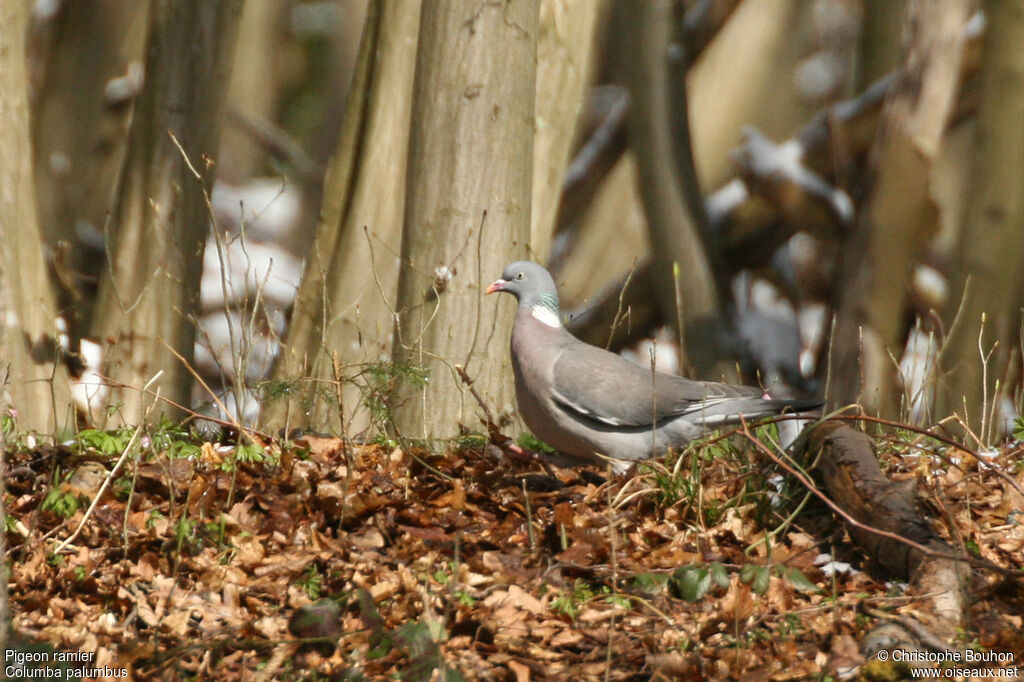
x=531, y=284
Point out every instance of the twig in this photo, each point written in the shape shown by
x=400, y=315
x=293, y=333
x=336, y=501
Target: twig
x=809, y=484
x=279, y=143
x=187, y=410
x=923, y=634
x=492, y=425
x=113, y=472
x=617, y=320
x=942, y=439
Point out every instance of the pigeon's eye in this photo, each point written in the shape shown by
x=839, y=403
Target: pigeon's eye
x=519, y=275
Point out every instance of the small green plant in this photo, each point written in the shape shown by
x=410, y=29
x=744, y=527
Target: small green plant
x=445, y=576
x=154, y=516
x=181, y=449
x=649, y=583
x=791, y=625
x=620, y=600
x=311, y=582
x=420, y=641
x=571, y=598
x=671, y=488
x=531, y=442
x=107, y=443
x=245, y=453
x=382, y=439
x=250, y=453
x=713, y=512
x=471, y=440
x=377, y=382
x=185, y=533
x=758, y=576
x=173, y=439
x=675, y=484
x=63, y=504
x=694, y=581
x=123, y=487
x=1018, y=428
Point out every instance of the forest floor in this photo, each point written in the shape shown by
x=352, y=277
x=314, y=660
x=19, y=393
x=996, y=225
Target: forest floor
x=324, y=560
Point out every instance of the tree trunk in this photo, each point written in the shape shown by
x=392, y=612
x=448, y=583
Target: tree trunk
x=34, y=380
x=91, y=73
x=873, y=275
x=565, y=52
x=344, y=305
x=467, y=210
x=149, y=288
x=986, y=278
x=254, y=87
x=745, y=77
x=879, y=41
x=684, y=281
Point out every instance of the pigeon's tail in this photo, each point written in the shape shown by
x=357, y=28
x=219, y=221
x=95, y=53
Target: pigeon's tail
x=735, y=410
x=794, y=405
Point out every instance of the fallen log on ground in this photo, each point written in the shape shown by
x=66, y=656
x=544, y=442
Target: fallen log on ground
x=846, y=463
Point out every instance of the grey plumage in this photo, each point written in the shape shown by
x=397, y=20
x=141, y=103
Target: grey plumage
x=589, y=402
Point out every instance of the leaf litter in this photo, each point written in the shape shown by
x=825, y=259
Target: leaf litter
x=334, y=561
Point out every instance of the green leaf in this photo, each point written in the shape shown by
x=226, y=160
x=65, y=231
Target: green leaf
x=758, y=577
x=63, y=504
x=320, y=619
x=415, y=639
x=719, y=574
x=692, y=582
x=380, y=641
x=531, y=442
x=798, y=579
x=650, y=583
x=1018, y=428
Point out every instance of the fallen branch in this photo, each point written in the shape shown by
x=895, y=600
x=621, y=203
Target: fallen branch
x=908, y=547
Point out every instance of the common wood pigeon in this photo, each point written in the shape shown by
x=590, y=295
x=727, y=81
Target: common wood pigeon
x=588, y=402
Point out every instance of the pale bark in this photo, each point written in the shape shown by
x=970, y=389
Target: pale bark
x=745, y=77
x=343, y=310
x=987, y=270
x=684, y=282
x=565, y=52
x=150, y=284
x=34, y=382
x=467, y=207
x=879, y=41
x=872, y=285
x=91, y=71
x=5, y=578
x=254, y=88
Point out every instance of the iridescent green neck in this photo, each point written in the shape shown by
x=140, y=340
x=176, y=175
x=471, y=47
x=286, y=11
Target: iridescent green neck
x=544, y=307
x=548, y=300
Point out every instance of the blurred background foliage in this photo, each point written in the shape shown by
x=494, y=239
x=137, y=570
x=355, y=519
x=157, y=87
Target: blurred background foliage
x=822, y=196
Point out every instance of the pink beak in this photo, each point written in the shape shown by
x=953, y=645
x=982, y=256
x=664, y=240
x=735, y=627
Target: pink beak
x=498, y=285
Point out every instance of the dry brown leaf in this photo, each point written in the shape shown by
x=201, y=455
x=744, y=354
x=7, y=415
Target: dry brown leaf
x=521, y=671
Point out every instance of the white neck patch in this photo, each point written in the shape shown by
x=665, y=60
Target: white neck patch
x=546, y=315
